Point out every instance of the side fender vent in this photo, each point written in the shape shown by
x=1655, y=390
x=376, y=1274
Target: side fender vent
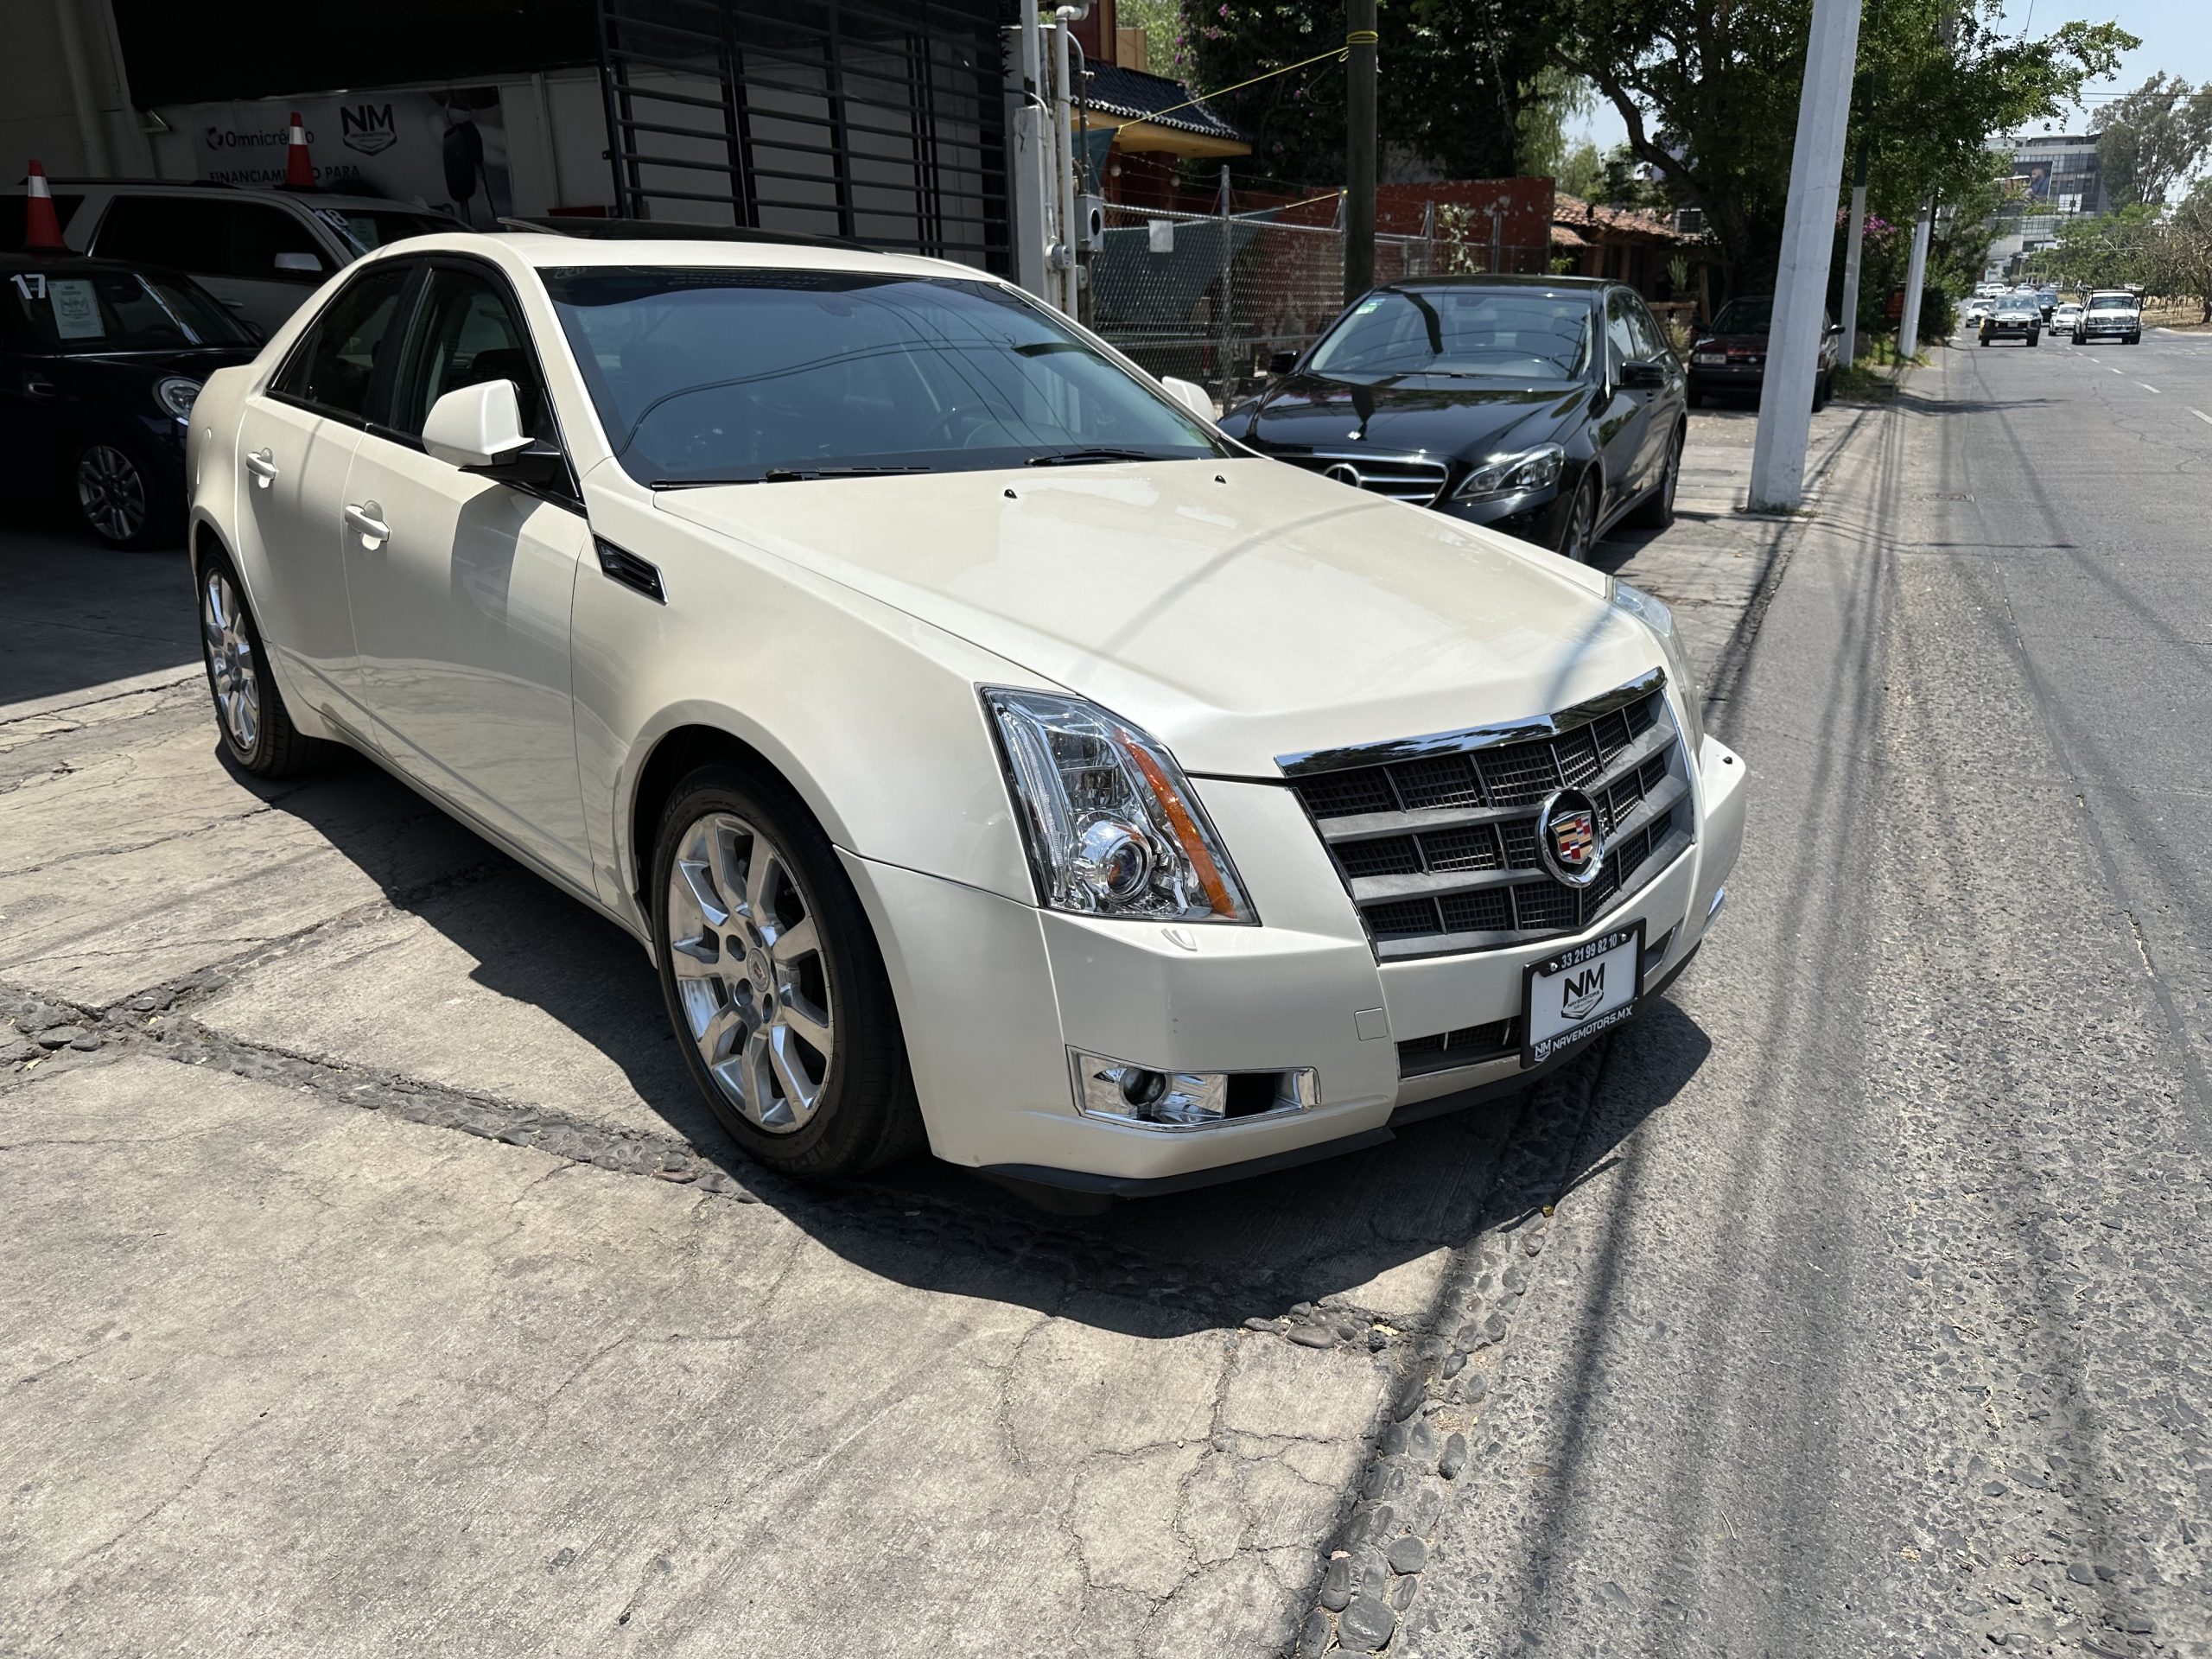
x=630, y=571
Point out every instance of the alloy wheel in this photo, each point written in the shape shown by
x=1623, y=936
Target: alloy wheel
x=1581, y=525
x=111, y=491
x=751, y=971
x=1674, y=475
x=231, y=669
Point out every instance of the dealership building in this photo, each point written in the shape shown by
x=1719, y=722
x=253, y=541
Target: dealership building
x=2055, y=177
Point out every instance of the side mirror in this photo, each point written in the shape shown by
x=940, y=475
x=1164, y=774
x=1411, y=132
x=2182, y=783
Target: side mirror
x=303, y=264
x=1642, y=377
x=476, y=426
x=1282, y=362
x=1835, y=328
x=1192, y=395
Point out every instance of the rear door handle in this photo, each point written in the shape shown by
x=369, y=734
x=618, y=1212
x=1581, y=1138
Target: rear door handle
x=367, y=518
x=261, y=465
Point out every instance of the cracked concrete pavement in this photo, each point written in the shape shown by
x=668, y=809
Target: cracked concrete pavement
x=375, y=1280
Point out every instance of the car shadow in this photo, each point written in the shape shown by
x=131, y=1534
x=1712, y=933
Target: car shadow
x=1367, y=1227
x=102, y=615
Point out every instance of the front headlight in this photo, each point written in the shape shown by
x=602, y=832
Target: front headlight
x=1530, y=469
x=1112, y=826
x=174, y=393
x=1655, y=615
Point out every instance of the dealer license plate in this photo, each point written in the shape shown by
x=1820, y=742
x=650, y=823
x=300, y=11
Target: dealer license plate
x=1568, y=999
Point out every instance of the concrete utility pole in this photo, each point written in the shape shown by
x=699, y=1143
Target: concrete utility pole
x=1855, y=247
x=1801, y=288
x=1916, y=278
x=1359, y=147
x=1064, y=266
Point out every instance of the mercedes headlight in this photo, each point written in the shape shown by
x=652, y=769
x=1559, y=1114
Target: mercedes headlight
x=1111, y=824
x=1530, y=469
x=174, y=393
x=1655, y=615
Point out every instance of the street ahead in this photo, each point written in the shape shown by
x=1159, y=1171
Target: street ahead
x=1883, y=1325
x=1853, y=1302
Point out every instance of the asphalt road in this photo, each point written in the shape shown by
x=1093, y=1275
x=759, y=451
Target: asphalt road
x=1884, y=1328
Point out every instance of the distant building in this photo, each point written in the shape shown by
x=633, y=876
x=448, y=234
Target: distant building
x=2055, y=177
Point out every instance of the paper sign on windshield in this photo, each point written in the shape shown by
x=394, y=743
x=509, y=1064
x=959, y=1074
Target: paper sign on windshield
x=76, y=311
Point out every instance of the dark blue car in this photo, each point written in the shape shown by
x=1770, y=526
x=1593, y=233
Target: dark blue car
x=99, y=362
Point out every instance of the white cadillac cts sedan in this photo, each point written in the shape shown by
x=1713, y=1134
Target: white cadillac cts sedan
x=990, y=753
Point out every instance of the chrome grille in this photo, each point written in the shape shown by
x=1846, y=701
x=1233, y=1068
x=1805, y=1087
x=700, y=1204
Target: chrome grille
x=1435, y=837
x=1416, y=478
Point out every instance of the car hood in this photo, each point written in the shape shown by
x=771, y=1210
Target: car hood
x=1238, y=610
x=1431, y=414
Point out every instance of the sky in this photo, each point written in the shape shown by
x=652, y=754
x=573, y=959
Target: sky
x=2176, y=37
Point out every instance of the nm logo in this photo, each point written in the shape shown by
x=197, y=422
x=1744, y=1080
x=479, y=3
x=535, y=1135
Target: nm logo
x=1580, y=993
x=368, y=128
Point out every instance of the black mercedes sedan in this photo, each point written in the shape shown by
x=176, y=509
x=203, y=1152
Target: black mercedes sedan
x=1548, y=407
x=99, y=362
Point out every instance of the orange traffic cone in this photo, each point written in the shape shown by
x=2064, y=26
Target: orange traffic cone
x=40, y=228
x=299, y=169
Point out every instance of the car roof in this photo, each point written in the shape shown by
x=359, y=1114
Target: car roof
x=28, y=259
x=543, y=249
x=220, y=190
x=1497, y=279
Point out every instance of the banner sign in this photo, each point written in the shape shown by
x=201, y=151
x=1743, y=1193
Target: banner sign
x=446, y=150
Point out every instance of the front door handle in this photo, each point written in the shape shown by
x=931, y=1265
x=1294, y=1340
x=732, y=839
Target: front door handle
x=263, y=467
x=367, y=518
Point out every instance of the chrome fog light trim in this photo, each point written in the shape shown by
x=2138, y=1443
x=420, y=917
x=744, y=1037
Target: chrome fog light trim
x=1720, y=898
x=1151, y=1097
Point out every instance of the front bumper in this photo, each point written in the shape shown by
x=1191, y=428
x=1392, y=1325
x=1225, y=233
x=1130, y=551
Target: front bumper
x=993, y=994
x=1538, y=516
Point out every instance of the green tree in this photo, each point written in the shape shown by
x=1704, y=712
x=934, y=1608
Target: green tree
x=1582, y=172
x=2153, y=138
x=1709, y=92
x=1458, y=79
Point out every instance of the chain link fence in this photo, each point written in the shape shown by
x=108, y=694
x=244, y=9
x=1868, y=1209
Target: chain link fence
x=1211, y=297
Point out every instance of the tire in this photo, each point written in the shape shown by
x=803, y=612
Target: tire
x=2031, y=341
x=1656, y=510
x=121, y=496
x=1985, y=339
x=809, y=1071
x=1579, y=534
x=2135, y=339
x=1823, y=389
x=257, y=729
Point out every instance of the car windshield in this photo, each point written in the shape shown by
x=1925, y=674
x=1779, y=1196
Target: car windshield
x=2111, y=303
x=369, y=228
x=708, y=376
x=1518, y=335
x=88, y=311
x=1744, y=317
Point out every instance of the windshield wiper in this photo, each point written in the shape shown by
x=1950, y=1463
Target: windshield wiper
x=780, y=475
x=1080, y=457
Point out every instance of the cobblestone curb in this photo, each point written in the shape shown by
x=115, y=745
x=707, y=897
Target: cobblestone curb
x=1366, y=1600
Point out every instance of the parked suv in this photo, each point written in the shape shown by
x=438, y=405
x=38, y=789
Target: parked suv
x=986, y=750
x=261, y=252
x=2110, y=314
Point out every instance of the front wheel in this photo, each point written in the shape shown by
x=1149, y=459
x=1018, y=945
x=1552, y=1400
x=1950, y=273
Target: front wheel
x=1657, y=511
x=1579, y=534
x=774, y=982
x=2031, y=341
x=1823, y=389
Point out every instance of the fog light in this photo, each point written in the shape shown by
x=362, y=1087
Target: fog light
x=1155, y=1099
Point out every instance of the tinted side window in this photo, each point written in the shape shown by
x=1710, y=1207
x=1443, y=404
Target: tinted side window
x=334, y=364
x=1619, y=330
x=259, y=234
x=184, y=234
x=466, y=334
x=1649, y=335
